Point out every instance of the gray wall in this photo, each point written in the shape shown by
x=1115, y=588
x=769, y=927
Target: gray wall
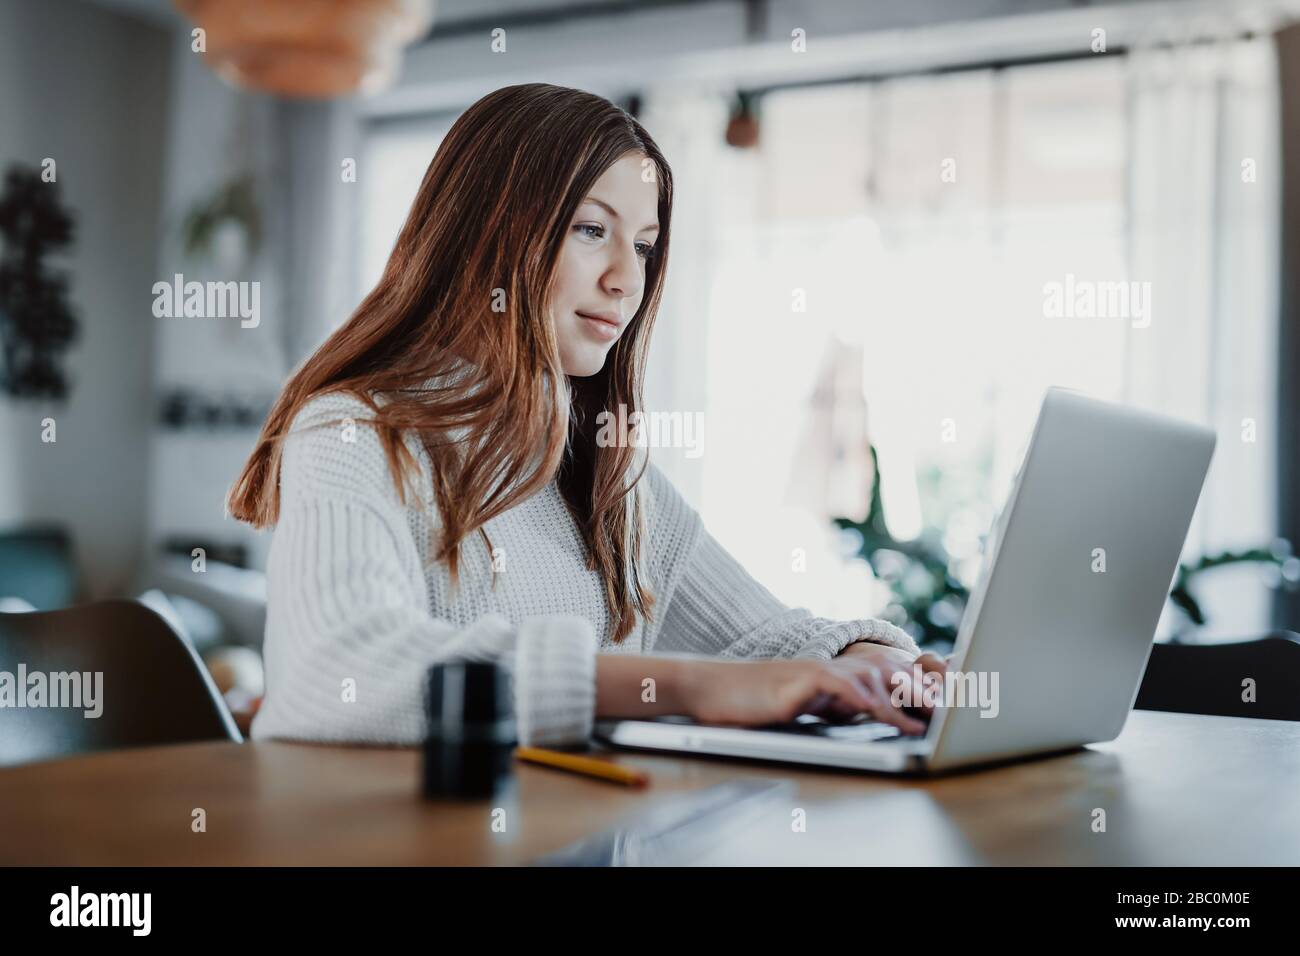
x=88, y=88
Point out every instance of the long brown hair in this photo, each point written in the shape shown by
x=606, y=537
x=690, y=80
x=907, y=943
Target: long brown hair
x=485, y=230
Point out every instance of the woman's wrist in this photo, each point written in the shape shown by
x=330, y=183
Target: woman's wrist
x=632, y=686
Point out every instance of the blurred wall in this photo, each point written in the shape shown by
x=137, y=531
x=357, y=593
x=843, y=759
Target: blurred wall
x=67, y=72
x=292, y=150
x=214, y=133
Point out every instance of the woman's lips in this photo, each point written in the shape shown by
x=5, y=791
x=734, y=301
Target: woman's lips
x=607, y=331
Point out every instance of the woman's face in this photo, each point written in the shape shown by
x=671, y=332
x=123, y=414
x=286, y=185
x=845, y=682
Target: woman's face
x=600, y=276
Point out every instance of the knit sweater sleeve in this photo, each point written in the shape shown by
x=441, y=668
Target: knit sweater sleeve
x=714, y=607
x=350, y=631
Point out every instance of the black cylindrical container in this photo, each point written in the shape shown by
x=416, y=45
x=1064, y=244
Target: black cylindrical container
x=471, y=729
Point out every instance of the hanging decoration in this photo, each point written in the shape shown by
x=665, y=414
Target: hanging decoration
x=314, y=49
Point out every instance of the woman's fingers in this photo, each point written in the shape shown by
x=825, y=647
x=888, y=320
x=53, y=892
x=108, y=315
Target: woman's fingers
x=932, y=671
x=921, y=681
x=847, y=690
x=912, y=683
x=895, y=715
x=902, y=683
x=828, y=704
x=882, y=706
x=930, y=661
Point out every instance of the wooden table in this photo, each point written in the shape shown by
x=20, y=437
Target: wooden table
x=1177, y=790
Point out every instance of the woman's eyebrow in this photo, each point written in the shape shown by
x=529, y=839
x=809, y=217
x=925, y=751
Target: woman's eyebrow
x=614, y=212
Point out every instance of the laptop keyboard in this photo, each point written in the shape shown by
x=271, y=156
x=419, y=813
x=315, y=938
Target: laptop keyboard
x=860, y=729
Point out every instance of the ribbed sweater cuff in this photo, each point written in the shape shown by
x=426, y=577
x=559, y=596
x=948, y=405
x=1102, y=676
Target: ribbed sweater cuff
x=872, y=630
x=555, y=680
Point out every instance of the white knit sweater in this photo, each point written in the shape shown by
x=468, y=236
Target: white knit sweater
x=355, y=618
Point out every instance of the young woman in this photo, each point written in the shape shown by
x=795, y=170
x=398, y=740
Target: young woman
x=441, y=487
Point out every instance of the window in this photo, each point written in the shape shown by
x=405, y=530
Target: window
x=395, y=157
x=889, y=248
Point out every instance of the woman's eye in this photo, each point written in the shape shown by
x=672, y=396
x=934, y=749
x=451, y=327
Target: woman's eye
x=645, y=250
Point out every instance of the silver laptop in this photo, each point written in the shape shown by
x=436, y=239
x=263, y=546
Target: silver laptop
x=1060, y=624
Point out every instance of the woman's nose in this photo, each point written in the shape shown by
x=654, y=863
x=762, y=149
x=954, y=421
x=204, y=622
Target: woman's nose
x=623, y=278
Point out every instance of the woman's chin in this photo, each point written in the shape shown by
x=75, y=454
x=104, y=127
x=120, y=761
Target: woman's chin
x=586, y=362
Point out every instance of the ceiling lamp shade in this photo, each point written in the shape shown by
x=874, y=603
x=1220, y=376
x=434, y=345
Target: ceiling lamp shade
x=313, y=49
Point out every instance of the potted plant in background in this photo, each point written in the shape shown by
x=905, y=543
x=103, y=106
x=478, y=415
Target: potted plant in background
x=929, y=598
x=37, y=323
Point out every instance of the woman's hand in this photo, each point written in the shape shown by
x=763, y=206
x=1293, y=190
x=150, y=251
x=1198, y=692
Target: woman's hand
x=898, y=668
x=746, y=693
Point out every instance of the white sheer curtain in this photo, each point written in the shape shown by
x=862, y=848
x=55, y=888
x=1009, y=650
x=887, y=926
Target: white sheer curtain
x=1204, y=191
x=688, y=128
x=920, y=220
